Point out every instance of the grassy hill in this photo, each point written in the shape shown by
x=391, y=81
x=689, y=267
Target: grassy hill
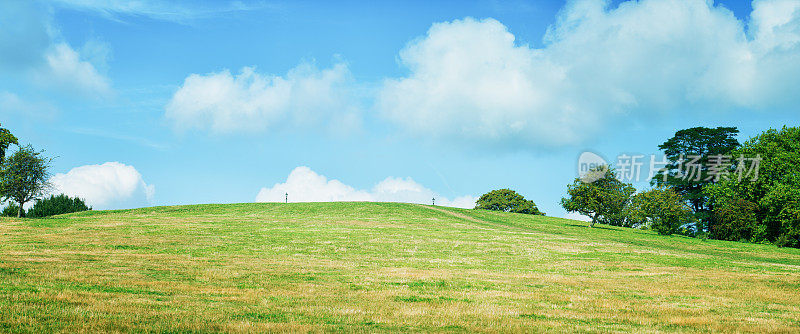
x=379, y=267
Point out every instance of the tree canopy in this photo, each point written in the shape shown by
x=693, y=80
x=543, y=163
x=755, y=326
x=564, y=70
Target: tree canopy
x=507, y=200
x=763, y=206
x=603, y=200
x=24, y=176
x=660, y=208
x=6, y=139
x=689, y=168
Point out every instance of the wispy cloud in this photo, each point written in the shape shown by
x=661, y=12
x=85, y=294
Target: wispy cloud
x=68, y=71
x=173, y=11
x=11, y=103
x=35, y=51
x=122, y=137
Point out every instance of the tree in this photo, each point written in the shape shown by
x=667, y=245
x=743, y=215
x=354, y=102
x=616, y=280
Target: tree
x=56, y=205
x=688, y=181
x=662, y=209
x=6, y=139
x=24, y=176
x=507, y=200
x=774, y=192
x=603, y=200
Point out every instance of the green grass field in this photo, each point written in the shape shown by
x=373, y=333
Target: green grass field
x=379, y=267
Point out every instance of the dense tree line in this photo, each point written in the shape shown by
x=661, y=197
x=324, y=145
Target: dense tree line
x=763, y=207
x=748, y=192
x=56, y=205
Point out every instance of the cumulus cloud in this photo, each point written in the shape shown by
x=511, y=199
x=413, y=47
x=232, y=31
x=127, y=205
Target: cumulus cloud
x=307, y=186
x=108, y=185
x=249, y=101
x=32, y=48
x=304, y=185
x=471, y=80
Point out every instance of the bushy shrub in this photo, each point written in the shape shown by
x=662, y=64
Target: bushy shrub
x=507, y=200
x=56, y=205
x=662, y=209
x=11, y=210
x=736, y=220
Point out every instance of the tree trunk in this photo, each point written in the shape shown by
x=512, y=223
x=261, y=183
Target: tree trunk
x=19, y=211
x=594, y=220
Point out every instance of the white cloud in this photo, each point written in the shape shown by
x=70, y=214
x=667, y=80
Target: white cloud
x=226, y=103
x=304, y=185
x=307, y=186
x=470, y=80
x=111, y=184
x=31, y=48
x=395, y=189
x=67, y=70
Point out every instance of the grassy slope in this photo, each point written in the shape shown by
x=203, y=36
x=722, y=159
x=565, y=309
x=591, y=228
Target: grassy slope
x=379, y=267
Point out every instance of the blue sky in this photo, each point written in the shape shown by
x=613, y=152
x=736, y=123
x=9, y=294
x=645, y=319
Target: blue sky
x=158, y=103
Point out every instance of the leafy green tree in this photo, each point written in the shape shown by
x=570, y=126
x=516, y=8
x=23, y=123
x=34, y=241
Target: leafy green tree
x=56, y=205
x=662, y=209
x=24, y=176
x=605, y=200
x=507, y=200
x=774, y=191
x=6, y=139
x=688, y=181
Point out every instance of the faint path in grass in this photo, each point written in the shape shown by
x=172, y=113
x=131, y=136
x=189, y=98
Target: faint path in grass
x=485, y=224
x=454, y=214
